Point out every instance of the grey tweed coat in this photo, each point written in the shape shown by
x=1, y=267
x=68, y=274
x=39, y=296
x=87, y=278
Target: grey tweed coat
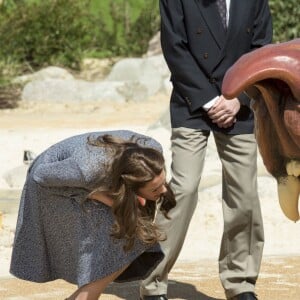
x=55, y=237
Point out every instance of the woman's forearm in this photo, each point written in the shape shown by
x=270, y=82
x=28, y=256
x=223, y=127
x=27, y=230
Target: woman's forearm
x=101, y=197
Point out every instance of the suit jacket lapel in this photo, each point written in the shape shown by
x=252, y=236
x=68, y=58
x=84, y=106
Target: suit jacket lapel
x=210, y=13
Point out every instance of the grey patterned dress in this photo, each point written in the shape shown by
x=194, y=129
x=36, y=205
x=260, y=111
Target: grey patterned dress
x=55, y=237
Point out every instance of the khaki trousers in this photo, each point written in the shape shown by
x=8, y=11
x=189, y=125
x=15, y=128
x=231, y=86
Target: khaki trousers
x=243, y=237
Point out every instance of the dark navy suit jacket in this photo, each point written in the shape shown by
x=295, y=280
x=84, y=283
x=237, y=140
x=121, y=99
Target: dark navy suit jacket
x=199, y=51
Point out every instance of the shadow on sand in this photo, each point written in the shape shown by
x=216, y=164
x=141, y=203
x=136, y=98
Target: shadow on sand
x=176, y=290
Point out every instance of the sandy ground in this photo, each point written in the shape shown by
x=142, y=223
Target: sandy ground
x=195, y=275
x=83, y=116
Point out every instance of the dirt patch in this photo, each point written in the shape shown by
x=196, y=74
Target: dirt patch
x=83, y=115
x=279, y=279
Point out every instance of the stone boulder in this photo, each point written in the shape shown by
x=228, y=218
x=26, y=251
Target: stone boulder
x=148, y=72
x=93, y=69
x=15, y=177
x=154, y=46
x=59, y=90
x=130, y=79
x=46, y=73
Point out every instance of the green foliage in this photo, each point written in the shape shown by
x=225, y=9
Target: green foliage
x=129, y=25
x=131, y=33
x=286, y=16
x=143, y=29
x=8, y=69
x=47, y=32
x=36, y=33
x=9, y=91
x=62, y=32
x=10, y=96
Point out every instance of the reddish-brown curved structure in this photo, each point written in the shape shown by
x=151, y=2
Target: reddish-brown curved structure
x=271, y=77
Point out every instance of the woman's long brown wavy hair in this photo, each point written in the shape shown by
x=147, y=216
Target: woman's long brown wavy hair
x=132, y=166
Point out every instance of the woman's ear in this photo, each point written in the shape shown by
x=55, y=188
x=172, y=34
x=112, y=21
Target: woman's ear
x=141, y=200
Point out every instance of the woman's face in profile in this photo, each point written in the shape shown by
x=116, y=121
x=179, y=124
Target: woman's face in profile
x=154, y=188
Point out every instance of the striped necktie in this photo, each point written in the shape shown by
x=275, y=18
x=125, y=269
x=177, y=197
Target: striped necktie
x=221, y=4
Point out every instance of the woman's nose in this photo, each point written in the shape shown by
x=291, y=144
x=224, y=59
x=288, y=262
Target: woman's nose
x=163, y=189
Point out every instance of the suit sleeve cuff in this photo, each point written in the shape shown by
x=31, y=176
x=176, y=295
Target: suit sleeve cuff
x=210, y=103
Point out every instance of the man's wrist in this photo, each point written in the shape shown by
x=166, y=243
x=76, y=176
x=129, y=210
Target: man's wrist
x=210, y=103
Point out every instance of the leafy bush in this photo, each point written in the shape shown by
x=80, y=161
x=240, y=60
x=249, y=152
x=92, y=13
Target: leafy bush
x=143, y=29
x=131, y=29
x=10, y=95
x=9, y=92
x=38, y=33
x=62, y=32
x=48, y=32
x=286, y=16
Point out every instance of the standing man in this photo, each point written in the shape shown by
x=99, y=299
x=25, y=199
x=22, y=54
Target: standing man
x=201, y=39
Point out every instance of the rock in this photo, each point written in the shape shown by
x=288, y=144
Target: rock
x=167, y=86
x=133, y=79
x=133, y=91
x=138, y=70
x=154, y=47
x=15, y=178
x=58, y=90
x=93, y=69
x=160, y=65
x=46, y=73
